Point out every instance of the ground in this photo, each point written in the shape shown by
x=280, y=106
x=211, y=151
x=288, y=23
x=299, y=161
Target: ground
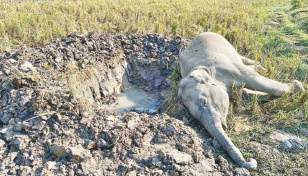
x=53, y=117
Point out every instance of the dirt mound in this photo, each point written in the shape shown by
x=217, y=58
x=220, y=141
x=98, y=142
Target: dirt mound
x=55, y=116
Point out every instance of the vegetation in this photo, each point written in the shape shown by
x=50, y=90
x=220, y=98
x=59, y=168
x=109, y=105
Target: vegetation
x=274, y=32
x=33, y=22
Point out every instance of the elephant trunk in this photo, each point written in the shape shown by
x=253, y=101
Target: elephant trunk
x=214, y=127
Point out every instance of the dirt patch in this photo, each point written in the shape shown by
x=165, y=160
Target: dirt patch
x=55, y=115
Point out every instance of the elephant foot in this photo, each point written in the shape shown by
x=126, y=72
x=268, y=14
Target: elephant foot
x=296, y=86
x=251, y=164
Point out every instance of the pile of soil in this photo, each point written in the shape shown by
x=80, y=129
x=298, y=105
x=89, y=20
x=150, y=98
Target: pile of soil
x=53, y=119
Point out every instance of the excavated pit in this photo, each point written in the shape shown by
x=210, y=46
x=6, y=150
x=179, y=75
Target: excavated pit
x=130, y=85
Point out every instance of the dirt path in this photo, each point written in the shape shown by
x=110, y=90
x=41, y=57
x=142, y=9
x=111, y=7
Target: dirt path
x=289, y=22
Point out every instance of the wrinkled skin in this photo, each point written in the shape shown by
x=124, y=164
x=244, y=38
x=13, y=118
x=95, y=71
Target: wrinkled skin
x=210, y=67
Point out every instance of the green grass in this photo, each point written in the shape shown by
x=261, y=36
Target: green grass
x=273, y=32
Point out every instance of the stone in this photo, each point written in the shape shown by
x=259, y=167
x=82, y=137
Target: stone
x=12, y=121
x=79, y=154
x=58, y=150
x=5, y=118
x=131, y=124
x=170, y=130
x=157, y=172
x=177, y=157
x=101, y=143
x=4, y=100
x=205, y=166
x=18, y=127
x=58, y=59
x=50, y=165
x=27, y=67
x=288, y=140
x=132, y=173
x=25, y=170
x=241, y=172
x=185, y=120
x=21, y=141
x=2, y=143
x=89, y=167
x=155, y=161
x=90, y=144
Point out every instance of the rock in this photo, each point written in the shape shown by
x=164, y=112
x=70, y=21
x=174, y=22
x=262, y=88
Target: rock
x=110, y=118
x=132, y=173
x=50, y=165
x=177, y=157
x=5, y=118
x=288, y=140
x=157, y=172
x=4, y=100
x=90, y=144
x=155, y=161
x=102, y=143
x=58, y=59
x=241, y=172
x=2, y=143
x=205, y=166
x=79, y=154
x=12, y=121
x=170, y=130
x=224, y=165
x=21, y=141
x=18, y=127
x=27, y=67
x=58, y=150
x=131, y=124
x=89, y=167
x=25, y=170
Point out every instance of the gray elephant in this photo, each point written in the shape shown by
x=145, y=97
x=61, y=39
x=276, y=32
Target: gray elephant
x=210, y=67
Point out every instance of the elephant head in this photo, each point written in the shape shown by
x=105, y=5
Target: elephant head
x=208, y=102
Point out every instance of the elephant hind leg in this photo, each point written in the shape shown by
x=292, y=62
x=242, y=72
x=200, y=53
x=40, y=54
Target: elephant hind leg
x=254, y=81
x=252, y=64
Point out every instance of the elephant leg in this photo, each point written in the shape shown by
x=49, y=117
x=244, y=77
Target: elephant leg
x=252, y=64
x=255, y=81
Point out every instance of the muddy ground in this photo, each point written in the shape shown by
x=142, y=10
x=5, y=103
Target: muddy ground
x=55, y=120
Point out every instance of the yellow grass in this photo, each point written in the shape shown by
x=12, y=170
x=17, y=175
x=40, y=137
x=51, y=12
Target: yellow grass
x=33, y=22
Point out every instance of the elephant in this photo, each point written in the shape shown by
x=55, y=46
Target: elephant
x=210, y=69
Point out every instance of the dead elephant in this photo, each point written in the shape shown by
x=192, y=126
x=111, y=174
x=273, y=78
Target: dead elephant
x=210, y=67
